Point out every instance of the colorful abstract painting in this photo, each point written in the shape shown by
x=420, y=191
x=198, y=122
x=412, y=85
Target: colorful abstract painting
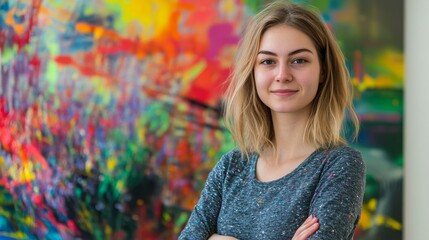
x=111, y=114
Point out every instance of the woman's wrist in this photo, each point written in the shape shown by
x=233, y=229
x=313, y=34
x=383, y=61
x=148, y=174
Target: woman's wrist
x=221, y=237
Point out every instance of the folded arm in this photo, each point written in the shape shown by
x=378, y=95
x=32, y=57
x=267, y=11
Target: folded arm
x=337, y=202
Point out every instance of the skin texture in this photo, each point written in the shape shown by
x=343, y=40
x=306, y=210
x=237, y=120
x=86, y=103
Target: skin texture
x=287, y=70
x=309, y=227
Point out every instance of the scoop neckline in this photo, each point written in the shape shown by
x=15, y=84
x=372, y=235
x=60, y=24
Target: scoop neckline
x=255, y=159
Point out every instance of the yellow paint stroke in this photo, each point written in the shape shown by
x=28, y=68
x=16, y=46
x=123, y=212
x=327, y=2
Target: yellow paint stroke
x=372, y=204
x=388, y=222
x=149, y=19
x=88, y=167
x=112, y=163
x=365, y=219
x=393, y=224
x=369, y=82
x=229, y=6
x=18, y=235
x=4, y=213
x=108, y=230
x=394, y=61
x=27, y=173
x=166, y=217
x=120, y=186
x=28, y=221
x=391, y=64
x=368, y=209
x=105, y=95
x=85, y=217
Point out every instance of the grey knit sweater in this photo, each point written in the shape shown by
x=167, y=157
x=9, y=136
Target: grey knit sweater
x=329, y=184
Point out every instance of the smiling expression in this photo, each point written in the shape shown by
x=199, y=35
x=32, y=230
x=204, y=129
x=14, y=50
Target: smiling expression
x=287, y=70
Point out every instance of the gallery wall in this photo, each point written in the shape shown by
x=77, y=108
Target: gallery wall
x=416, y=191
x=110, y=111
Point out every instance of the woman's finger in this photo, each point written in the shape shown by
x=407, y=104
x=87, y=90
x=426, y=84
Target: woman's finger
x=309, y=227
x=310, y=230
x=305, y=225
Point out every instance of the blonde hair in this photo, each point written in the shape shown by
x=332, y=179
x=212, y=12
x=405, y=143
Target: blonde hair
x=249, y=120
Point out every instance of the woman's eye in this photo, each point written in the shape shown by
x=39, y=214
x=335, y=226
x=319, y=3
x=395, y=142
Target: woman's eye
x=267, y=62
x=299, y=61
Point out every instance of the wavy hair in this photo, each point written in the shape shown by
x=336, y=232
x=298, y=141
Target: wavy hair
x=249, y=120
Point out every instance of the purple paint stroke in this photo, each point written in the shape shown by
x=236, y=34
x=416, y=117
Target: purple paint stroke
x=219, y=36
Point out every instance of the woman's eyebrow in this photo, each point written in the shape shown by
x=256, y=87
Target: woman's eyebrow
x=291, y=53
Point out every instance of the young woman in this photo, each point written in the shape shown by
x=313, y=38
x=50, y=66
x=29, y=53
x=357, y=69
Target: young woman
x=293, y=175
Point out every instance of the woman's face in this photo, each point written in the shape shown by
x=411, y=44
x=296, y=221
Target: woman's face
x=287, y=70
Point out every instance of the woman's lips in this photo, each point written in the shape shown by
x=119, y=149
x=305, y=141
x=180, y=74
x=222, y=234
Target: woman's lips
x=284, y=92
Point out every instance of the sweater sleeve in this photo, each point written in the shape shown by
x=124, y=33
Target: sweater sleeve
x=203, y=220
x=337, y=202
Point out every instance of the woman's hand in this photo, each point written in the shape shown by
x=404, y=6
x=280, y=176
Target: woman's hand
x=221, y=237
x=307, y=229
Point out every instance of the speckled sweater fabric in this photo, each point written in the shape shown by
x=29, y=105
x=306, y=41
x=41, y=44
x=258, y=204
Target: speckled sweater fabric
x=328, y=184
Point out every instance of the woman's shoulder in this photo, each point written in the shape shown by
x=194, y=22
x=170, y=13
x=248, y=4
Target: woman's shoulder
x=234, y=160
x=344, y=150
x=344, y=155
x=342, y=164
x=236, y=154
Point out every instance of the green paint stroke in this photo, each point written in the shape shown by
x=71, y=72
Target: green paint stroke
x=8, y=54
x=52, y=67
x=156, y=119
x=254, y=5
x=51, y=77
x=319, y=5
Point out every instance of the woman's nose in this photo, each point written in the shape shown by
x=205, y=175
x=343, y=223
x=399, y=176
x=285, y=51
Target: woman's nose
x=283, y=74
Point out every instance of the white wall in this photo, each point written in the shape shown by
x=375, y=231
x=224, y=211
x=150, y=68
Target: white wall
x=416, y=182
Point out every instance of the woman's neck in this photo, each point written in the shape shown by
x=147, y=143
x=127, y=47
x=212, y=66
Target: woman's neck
x=289, y=143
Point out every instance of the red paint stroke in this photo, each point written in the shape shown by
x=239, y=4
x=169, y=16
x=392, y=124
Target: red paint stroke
x=61, y=227
x=87, y=67
x=8, y=143
x=35, y=153
x=35, y=63
x=2, y=40
x=38, y=200
x=4, y=181
x=206, y=88
x=203, y=15
x=24, y=151
x=64, y=60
